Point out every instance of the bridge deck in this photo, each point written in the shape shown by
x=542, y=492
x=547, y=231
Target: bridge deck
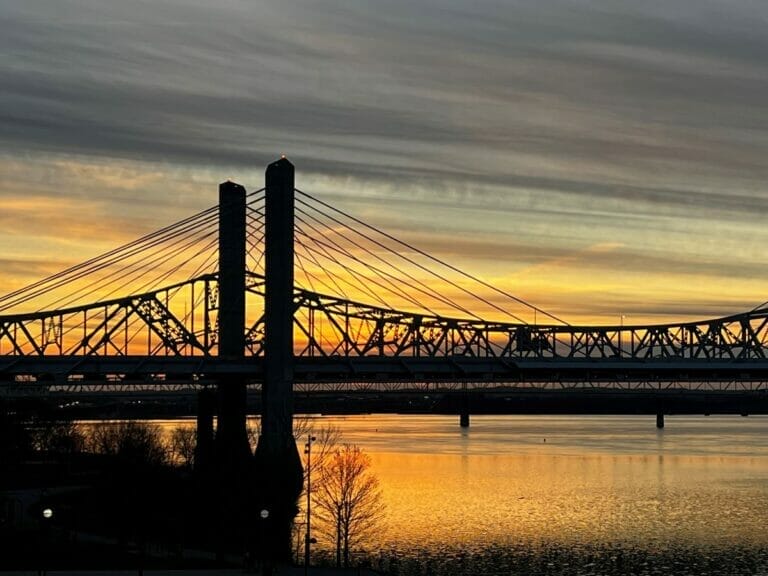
x=384, y=371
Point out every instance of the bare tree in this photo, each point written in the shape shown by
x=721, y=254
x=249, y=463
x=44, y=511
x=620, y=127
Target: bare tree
x=325, y=441
x=348, y=501
x=324, y=444
x=137, y=442
x=59, y=436
x=183, y=445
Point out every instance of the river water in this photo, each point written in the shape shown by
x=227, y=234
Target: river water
x=568, y=494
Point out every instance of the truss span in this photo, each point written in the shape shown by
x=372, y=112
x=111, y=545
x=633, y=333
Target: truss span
x=181, y=321
x=334, y=327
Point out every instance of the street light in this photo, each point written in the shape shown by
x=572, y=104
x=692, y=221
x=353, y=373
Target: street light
x=265, y=569
x=307, y=534
x=47, y=515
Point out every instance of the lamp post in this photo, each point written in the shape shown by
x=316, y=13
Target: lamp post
x=307, y=534
x=265, y=568
x=621, y=331
x=47, y=517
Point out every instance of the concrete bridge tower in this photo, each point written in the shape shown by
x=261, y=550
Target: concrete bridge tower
x=278, y=464
x=229, y=476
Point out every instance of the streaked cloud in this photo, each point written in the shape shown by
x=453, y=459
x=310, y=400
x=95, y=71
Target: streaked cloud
x=512, y=136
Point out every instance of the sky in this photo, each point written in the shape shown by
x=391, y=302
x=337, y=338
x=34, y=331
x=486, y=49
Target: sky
x=597, y=158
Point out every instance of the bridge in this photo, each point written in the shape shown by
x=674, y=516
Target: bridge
x=278, y=291
x=365, y=309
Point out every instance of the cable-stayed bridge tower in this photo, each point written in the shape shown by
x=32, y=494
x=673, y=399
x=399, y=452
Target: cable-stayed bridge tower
x=277, y=458
x=278, y=478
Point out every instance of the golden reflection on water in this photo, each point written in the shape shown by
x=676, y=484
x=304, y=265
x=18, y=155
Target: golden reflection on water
x=568, y=480
x=568, y=499
x=595, y=480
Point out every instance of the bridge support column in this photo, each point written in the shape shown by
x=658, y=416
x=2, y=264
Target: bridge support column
x=464, y=410
x=233, y=455
x=206, y=408
x=660, y=420
x=277, y=458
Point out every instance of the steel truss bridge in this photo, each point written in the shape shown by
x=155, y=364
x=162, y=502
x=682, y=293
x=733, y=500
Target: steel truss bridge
x=369, y=313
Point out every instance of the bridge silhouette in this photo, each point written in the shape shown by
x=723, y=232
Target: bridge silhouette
x=366, y=309
x=279, y=291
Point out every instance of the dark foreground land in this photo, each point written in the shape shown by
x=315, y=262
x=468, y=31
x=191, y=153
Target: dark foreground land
x=125, y=510
x=502, y=560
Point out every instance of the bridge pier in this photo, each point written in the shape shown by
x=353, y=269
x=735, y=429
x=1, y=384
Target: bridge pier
x=464, y=409
x=660, y=420
x=280, y=474
x=204, y=450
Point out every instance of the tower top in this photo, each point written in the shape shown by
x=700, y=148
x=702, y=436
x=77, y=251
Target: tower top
x=283, y=162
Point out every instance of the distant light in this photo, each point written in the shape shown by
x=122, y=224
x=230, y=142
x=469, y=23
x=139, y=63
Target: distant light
x=264, y=514
x=47, y=513
x=282, y=156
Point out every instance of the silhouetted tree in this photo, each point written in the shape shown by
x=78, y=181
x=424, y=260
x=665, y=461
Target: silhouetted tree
x=325, y=444
x=136, y=479
x=57, y=436
x=326, y=441
x=137, y=443
x=183, y=446
x=348, y=501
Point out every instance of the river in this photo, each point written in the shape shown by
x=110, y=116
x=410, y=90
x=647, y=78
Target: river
x=568, y=494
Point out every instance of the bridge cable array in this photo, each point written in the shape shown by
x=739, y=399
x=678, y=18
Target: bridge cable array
x=254, y=238
x=173, y=254
x=327, y=248
x=335, y=248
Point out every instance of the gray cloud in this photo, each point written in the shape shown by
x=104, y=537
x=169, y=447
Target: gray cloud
x=582, y=119
x=190, y=82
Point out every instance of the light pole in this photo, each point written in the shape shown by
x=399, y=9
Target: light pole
x=47, y=517
x=621, y=331
x=265, y=568
x=307, y=534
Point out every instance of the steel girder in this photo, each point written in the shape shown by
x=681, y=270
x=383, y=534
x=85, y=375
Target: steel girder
x=175, y=321
x=332, y=327
x=181, y=321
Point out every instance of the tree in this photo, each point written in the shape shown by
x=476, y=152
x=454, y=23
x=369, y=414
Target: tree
x=57, y=436
x=136, y=443
x=325, y=441
x=348, y=501
x=136, y=481
x=324, y=444
x=183, y=446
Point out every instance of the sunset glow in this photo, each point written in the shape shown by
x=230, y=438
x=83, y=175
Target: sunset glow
x=591, y=173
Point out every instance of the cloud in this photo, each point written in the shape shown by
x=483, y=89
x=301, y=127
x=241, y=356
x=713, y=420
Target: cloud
x=529, y=131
